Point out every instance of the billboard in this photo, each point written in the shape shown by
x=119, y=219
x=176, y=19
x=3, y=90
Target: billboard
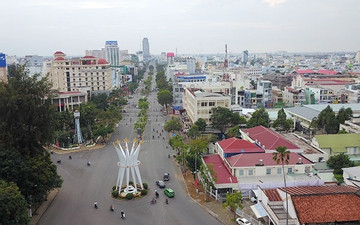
x=111, y=43
x=2, y=60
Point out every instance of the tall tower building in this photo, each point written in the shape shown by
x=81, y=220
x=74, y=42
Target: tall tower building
x=357, y=57
x=146, y=49
x=112, y=53
x=245, y=57
x=3, y=72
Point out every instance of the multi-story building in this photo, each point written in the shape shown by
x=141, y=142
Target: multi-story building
x=198, y=103
x=293, y=97
x=321, y=95
x=353, y=92
x=264, y=87
x=278, y=80
x=3, y=71
x=189, y=62
x=74, y=74
x=146, y=49
x=245, y=57
x=96, y=53
x=112, y=53
x=70, y=100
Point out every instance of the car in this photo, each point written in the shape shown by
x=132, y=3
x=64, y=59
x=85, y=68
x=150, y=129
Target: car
x=160, y=184
x=169, y=192
x=166, y=176
x=242, y=221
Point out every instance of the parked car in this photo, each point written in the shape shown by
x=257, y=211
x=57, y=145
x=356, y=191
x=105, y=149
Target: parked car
x=242, y=221
x=160, y=184
x=166, y=176
x=169, y=192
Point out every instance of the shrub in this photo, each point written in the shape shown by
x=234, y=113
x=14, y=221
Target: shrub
x=115, y=193
x=129, y=196
x=131, y=182
x=114, y=187
x=144, y=192
x=145, y=185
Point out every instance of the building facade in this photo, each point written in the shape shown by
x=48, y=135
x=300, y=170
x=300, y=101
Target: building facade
x=112, y=53
x=74, y=74
x=146, y=48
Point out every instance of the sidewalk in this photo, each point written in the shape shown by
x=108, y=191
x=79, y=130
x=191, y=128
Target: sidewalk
x=212, y=206
x=44, y=206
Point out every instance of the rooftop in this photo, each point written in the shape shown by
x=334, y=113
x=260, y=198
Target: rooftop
x=317, y=190
x=338, y=142
x=250, y=160
x=327, y=208
x=269, y=138
x=223, y=175
x=235, y=145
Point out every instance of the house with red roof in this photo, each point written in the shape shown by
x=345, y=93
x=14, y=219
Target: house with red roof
x=312, y=204
x=268, y=139
x=233, y=146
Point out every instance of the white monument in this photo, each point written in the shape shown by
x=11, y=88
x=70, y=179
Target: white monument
x=128, y=162
x=78, y=134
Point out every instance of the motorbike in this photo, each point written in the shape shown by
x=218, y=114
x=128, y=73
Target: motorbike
x=95, y=205
x=167, y=201
x=153, y=201
x=88, y=163
x=112, y=208
x=157, y=194
x=59, y=161
x=122, y=215
x=70, y=157
x=169, y=156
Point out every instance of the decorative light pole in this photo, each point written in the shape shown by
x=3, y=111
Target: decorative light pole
x=128, y=162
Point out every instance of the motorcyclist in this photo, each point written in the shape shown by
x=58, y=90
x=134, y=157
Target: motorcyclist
x=88, y=163
x=166, y=201
x=95, y=205
x=112, y=207
x=122, y=214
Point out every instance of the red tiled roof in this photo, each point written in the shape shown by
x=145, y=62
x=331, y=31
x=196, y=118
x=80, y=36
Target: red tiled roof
x=273, y=195
x=327, y=208
x=223, y=175
x=89, y=57
x=250, y=160
x=328, y=72
x=269, y=138
x=304, y=71
x=59, y=58
x=59, y=53
x=235, y=145
x=102, y=61
x=170, y=54
x=312, y=190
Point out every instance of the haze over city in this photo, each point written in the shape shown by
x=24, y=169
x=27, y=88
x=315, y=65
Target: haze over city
x=196, y=26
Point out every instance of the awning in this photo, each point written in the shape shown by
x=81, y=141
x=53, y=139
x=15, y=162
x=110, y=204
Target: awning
x=258, y=210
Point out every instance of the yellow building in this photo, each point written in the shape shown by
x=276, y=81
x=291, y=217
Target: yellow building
x=198, y=104
x=74, y=74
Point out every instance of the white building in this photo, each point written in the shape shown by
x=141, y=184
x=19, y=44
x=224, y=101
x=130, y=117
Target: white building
x=112, y=53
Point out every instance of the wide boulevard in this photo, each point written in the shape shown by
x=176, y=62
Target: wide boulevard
x=83, y=185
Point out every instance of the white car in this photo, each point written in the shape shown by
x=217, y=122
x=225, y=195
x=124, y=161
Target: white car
x=242, y=221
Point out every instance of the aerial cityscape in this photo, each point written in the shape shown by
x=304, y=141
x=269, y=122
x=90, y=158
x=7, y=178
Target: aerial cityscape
x=192, y=112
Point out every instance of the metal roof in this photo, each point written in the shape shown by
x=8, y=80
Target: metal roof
x=304, y=112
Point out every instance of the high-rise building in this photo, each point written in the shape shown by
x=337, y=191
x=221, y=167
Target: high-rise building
x=123, y=54
x=357, y=57
x=3, y=72
x=146, y=49
x=112, y=53
x=245, y=57
x=74, y=74
x=96, y=53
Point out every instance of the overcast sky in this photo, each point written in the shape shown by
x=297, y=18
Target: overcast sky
x=191, y=26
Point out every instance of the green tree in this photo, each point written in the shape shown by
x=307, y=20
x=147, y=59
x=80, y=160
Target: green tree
x=194, y=132
x=281, y=155
x=326, y=121
x=164, y=97
x=201, y=123
x=132, y=86
x=27, y=112
x=13, y=205
x=222, y=118
x=199, y=146
x=88, y=113
x=172, y=125
x=337, y=162
x=233, y=132
x=344, y=114
x=259, y=118
x=208, y=176
x=100, y=101
x=233, y=201
x=281, y=123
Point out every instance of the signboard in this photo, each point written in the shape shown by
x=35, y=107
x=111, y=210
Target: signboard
x=111, y=43
x=2, y=60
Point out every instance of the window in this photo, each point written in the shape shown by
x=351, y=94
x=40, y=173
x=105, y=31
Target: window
x=211, y=103
x=268, y=171
x=204, y=104
x=250, y=172
x=241, y=172
x=278, y=171
x=289, y=170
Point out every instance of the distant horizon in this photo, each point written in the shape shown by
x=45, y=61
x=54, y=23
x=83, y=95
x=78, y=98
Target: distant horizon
x=188, y=27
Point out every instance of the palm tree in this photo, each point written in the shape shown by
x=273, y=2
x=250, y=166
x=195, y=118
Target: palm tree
x=282, y=155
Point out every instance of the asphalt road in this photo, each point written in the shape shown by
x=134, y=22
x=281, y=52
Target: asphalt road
x=85, y=184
